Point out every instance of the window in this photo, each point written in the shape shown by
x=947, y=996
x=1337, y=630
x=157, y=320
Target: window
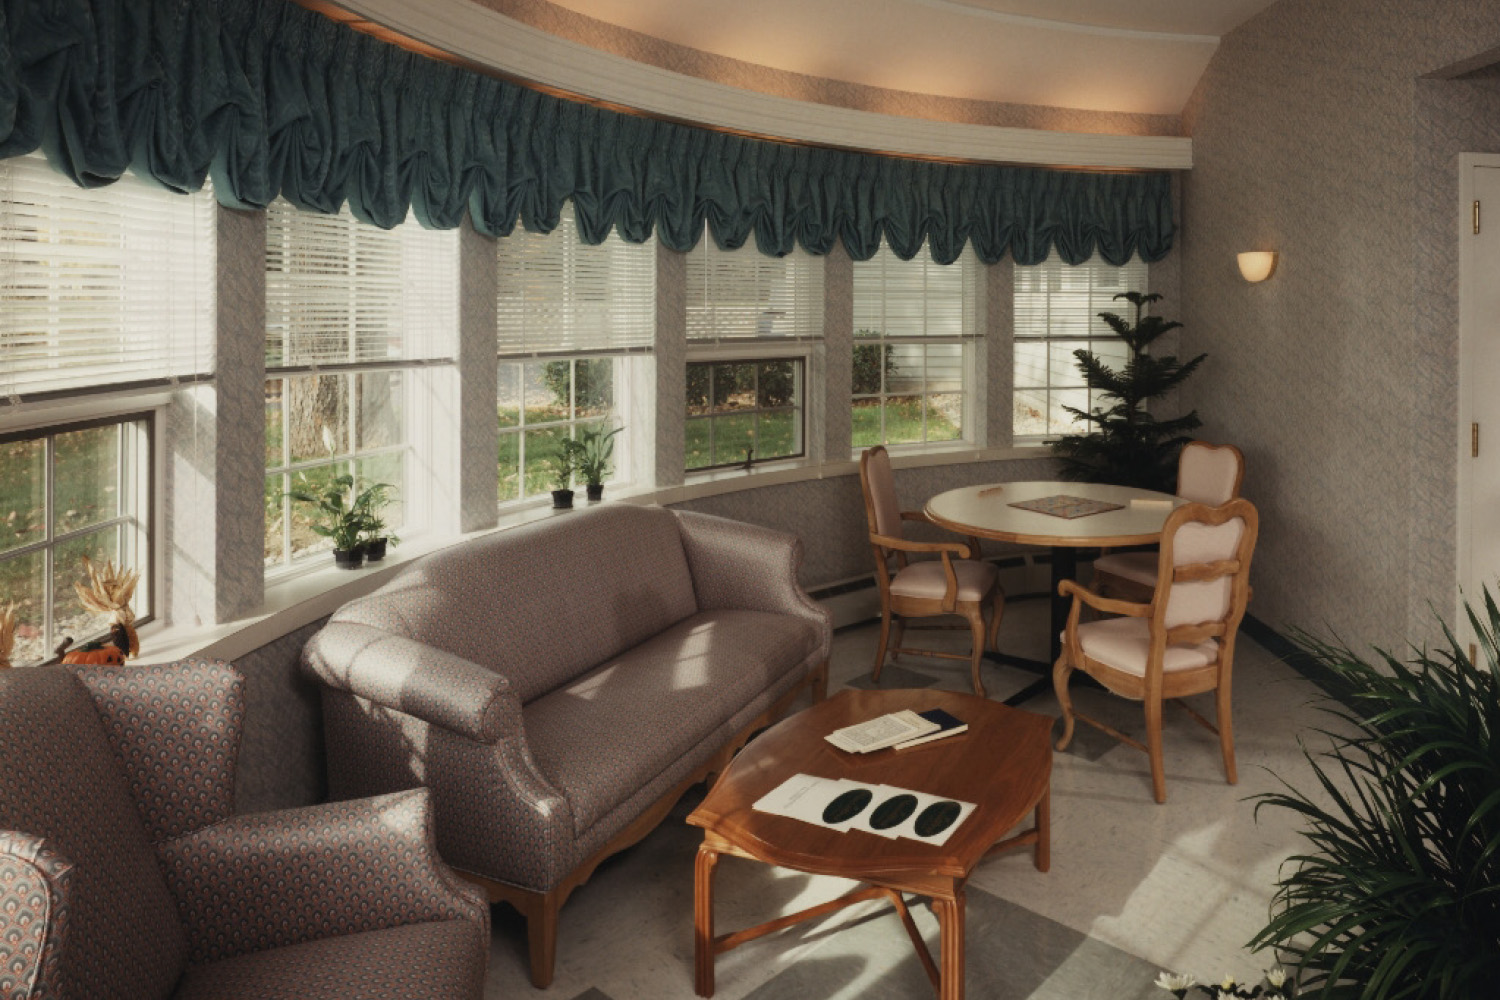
x=110, y=286
x=914, y=326
x=1057, y=308
x=739, y=295
x=740, y=411
x=65, y=493
x=573, y=317
x=354, y=314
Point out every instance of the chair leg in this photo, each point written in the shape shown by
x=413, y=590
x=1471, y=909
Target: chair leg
x=1225, y=720
x=885, y=634
x=541, y=935
x=1060, y=674
x=898, y=632
x=1153, y=748
x=997, y=612
x=976, y=652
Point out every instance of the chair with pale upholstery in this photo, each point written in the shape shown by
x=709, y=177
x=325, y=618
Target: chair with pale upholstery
x=952, y=584
x=126, y=875
x=1206, y=473
x=1180, y=643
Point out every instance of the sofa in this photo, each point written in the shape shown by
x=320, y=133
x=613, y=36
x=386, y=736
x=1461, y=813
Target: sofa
x=126, y=875
x=560, y=685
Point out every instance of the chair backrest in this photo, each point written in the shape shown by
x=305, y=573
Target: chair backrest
x=882, y=512
x=1203, y=577
x=1209, y=473
x=61, y=780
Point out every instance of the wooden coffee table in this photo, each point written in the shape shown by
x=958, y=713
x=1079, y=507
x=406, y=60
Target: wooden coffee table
x=1003, y=764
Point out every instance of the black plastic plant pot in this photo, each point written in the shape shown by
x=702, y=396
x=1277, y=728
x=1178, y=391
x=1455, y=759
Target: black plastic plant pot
x=595, y=492
x=562, y=499
x=375, y=549
x=349, y=558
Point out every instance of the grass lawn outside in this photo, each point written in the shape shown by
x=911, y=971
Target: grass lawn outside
x=903, y=422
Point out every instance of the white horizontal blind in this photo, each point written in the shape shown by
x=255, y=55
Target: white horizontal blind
x=896, y=299
x=744, y=294
x=101, y=286
x=344, y=292
x=560, y=295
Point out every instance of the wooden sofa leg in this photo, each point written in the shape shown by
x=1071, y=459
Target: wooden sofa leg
x=541, y=938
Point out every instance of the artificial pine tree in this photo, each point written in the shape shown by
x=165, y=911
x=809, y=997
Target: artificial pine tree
x=1127, y=446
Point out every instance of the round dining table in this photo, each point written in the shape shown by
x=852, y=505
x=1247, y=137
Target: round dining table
x=989, y=512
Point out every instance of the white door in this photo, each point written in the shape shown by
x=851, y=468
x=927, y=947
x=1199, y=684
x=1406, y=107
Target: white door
x=1479, y=377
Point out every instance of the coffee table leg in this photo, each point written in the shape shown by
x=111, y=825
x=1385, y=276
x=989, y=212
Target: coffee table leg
x=1044, y=831
x=703, y=919
x=950, y=914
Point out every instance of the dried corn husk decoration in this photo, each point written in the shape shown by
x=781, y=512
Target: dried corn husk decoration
x=108, y=593
x=7, y=634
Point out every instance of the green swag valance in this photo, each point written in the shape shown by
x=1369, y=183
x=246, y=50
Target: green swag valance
x=276, y=99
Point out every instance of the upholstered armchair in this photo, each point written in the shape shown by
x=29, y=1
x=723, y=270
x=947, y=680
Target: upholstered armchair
x=124, y=872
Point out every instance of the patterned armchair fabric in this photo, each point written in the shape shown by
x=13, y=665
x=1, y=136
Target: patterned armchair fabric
x=129, y=773
x=675, y=631
x=34, y=885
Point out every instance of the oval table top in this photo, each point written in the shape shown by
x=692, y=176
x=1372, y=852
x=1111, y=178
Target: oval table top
x=1003, y=764
x=986, y=512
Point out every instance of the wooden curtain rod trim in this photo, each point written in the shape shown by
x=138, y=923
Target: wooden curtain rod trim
x=358, y=22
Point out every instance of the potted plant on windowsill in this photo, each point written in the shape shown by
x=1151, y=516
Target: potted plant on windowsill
x=562, y=474
x=375, y=537
x=596, y=447
x=342, y=516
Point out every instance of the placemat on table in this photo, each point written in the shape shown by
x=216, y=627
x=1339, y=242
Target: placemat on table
x=1062, y=505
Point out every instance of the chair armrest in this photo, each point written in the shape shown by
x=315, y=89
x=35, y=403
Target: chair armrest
x=739, y=565
x=268, y=880
x=34, y=889
x=903, y=545
x=1110, y=606
x=413, y=677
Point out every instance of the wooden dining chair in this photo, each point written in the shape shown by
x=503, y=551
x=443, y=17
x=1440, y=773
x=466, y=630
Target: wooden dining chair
x=1181, y=642
x=951, y=584
x=1206, y=473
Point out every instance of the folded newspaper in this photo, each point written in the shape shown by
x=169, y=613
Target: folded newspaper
x=882, y=732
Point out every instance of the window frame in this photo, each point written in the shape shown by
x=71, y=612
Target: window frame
x=140, y=477
x=752, y=352
x=620, y=384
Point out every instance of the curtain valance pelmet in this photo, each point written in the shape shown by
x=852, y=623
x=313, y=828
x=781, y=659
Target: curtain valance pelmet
x=276, y=99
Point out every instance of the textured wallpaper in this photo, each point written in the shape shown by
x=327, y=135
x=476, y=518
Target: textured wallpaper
x=1314, y=137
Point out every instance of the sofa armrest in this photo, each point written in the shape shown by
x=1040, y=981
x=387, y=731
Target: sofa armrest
x=267, y=880
x=34, y=883
x=739, y=565
x=413, y=677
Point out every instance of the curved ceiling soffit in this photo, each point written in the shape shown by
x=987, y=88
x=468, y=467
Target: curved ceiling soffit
x=487, y=40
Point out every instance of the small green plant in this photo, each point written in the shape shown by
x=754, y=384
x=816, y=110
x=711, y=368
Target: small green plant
x=1398, y=892
x=371, y=502
x=597, y=446
x=565, y=464
x=342, y=515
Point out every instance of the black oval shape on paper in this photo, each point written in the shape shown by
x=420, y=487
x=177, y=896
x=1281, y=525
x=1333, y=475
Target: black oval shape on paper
x=936, y=818
x=847, y=806
x=893, y=811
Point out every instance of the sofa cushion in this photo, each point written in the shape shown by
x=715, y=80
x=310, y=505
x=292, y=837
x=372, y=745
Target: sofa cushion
x=545, y=602
x=59, y=780
x=430, y=961
x=607, y=734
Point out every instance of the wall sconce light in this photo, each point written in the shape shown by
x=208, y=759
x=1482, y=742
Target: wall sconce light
x=1258, y=265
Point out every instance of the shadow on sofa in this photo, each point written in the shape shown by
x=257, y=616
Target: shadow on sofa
x=561, y=685
x=128, y=875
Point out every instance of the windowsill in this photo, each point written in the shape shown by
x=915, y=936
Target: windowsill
x=299, y=598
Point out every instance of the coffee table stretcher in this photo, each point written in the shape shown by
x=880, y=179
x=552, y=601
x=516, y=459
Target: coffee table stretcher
x=946, y=892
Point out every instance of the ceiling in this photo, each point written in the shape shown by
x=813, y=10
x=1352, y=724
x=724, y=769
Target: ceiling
x=1140, y=56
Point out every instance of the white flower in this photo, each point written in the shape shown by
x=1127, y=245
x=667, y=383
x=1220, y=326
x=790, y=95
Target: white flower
x=1174, y=981
x=1228, y=983
x=328, y=438
x=1276, y=976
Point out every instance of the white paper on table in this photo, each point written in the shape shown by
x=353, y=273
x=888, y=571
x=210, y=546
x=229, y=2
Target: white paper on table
x=908, y=828
x=802, y=797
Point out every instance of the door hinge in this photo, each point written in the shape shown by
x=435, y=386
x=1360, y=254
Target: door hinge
x=1476, y=216
x=1474, y=440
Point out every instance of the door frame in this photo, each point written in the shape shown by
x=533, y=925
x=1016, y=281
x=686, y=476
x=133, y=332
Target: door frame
x=1468, y=334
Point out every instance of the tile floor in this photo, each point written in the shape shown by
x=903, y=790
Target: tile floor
x=1135, y=887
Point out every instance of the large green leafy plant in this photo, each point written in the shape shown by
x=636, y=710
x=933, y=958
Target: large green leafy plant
x=1126, y=444
x=1398, y=893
